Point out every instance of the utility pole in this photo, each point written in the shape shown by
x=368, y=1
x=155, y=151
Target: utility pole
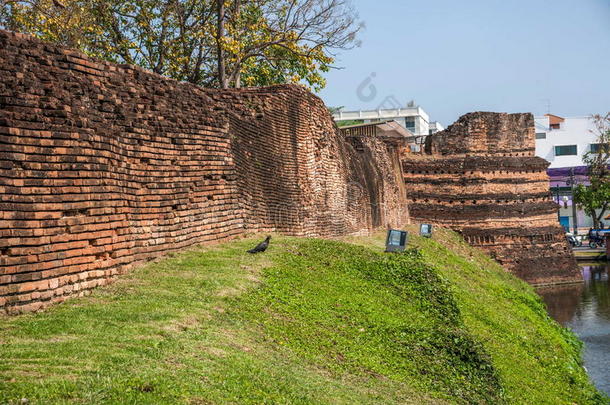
x=558, y=203
x=571, y=183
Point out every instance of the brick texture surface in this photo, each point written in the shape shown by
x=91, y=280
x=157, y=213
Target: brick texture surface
x=105, y=166
x=480, y=177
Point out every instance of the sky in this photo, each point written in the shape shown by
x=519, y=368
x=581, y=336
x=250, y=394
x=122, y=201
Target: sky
x=452, y=57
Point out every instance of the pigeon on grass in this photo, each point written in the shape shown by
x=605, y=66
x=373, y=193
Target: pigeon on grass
x=261, y=247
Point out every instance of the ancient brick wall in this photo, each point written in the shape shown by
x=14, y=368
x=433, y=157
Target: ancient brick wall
x=370, y=178
x=298, y=174
x=104, y=166
x=480, y=177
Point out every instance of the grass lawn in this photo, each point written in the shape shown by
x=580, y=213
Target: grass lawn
x=308, y=321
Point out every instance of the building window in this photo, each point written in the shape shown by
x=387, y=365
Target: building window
x=566, y=150
x=410, y=124
x=541, y=135
x=599, y=147
x=554, y=126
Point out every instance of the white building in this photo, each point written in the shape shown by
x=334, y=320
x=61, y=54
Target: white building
x=564, y=141
x=435, y=126
x=415, y=119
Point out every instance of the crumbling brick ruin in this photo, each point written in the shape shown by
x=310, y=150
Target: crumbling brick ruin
x=104, y=166
x=480, y=177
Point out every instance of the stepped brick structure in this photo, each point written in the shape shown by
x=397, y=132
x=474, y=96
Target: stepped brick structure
x=104, y=166
x=481, y=178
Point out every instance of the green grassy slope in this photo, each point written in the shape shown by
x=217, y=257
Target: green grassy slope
x=309, y=321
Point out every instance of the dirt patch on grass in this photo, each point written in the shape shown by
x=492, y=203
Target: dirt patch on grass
x=182, y=325
x=215, y=351
x=230, y=292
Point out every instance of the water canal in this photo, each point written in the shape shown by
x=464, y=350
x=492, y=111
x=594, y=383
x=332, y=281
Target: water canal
x=585, y=308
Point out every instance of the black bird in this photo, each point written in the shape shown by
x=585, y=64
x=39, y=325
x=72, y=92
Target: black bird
x=261, y=247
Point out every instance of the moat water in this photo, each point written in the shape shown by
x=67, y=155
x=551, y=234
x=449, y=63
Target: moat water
x=585, y=308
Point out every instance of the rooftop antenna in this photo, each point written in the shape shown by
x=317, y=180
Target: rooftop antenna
x=547, y=101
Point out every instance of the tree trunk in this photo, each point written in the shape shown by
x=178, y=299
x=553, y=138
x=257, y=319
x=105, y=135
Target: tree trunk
x=236, y=75
x=195, y=75
x=598, y=218
x=222, y=72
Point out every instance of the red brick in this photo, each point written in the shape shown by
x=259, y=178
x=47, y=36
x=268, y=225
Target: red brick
x=101, y=187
